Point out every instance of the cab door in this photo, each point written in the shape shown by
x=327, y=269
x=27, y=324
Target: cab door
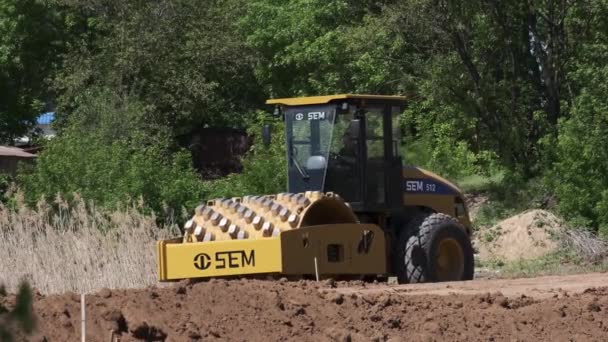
x=375, y=154
x=344, y=174
x=383, y=166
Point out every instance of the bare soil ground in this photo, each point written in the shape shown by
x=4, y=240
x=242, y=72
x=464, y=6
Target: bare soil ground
x=562, y=308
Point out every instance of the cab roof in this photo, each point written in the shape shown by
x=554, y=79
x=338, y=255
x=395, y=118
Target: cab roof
x=312, y=100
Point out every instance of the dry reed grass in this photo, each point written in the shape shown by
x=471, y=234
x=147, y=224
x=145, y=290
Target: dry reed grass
x=585, y=244
x=78, y=248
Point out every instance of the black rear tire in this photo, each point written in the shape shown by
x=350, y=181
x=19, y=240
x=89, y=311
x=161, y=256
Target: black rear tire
x=434, y=247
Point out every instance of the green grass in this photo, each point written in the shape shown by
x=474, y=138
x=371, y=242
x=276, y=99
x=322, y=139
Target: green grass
x=492, y=234
x=557, y=263
x=480, y=183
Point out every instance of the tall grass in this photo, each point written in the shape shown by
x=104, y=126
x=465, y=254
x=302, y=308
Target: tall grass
x=77, y=248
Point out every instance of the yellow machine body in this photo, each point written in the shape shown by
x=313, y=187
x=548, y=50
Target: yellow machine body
x=449, y=201
x=353, y=249
x=305, y=233
x=177, y=260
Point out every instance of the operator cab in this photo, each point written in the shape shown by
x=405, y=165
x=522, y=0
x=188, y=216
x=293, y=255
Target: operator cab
x=347, y=144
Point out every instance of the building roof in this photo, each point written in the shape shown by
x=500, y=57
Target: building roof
x=298, y=101
x=46, y=118
x=7, y=151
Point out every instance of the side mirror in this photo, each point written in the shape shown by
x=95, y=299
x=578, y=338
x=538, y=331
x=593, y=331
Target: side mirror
x=354, y=128
x=277, y=112
x=266, y=135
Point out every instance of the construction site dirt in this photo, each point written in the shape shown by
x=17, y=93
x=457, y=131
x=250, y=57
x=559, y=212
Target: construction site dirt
x=557, y=308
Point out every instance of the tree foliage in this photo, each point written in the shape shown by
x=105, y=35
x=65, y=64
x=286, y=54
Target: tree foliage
x=493, y=70
x=30, y=42
x=515, y=86
x=185, y=60
x=113, y=174
x=579, y=174
x=309, y=47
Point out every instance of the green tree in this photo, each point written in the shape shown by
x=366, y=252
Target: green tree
x=113, y=174
x=472, y=64
x=579, y=174
x=311, y=47
x=30, y=45
x=115, y=116
x=184, y=60
x=491, y=69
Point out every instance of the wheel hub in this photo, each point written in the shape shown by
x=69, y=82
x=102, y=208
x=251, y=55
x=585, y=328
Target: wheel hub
x=450, y=260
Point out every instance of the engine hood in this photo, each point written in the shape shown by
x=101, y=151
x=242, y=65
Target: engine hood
x=414, y=172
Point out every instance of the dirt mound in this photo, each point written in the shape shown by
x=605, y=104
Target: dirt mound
x=256, y=310
x=528, y=235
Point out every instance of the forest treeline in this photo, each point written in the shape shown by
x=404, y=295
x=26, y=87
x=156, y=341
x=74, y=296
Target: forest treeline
x=516, y=88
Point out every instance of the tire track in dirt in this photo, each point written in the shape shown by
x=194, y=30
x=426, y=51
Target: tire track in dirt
x=540, y=287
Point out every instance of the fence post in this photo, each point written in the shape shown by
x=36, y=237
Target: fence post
x=83, y=318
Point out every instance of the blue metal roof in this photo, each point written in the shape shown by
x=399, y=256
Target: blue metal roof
x=46, y=118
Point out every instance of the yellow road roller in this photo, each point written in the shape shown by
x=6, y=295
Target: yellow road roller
x=353, y=208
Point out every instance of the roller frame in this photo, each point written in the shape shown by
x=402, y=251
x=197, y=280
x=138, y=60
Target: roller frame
x=291, y=253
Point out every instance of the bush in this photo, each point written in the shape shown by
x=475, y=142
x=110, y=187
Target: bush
x=4, y=186
x=579, y=175
x=441, y=151
x=113, y=115
x=113, y=174
x=264, y=167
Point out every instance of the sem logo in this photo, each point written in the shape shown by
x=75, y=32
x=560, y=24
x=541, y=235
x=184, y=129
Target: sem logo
x=414, y=186
x=234, y=259
x=202, y=261
x=312, y=116
x=422, y=186
x=222, y=260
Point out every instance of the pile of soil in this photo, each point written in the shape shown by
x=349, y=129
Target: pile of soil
x=259, y=310
x=528, y=235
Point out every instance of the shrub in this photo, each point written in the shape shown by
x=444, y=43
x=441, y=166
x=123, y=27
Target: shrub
x=579, y=174
x=113, y=174
x=443, y=152
x=264, y=167
x=4, y=186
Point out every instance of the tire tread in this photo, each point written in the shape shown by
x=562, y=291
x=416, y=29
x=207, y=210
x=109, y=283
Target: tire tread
x=418, y=234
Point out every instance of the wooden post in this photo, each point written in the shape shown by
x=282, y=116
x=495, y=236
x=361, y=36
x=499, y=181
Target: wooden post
x=83, y=318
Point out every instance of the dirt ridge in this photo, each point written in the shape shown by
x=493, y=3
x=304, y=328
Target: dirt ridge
x=259, y=310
